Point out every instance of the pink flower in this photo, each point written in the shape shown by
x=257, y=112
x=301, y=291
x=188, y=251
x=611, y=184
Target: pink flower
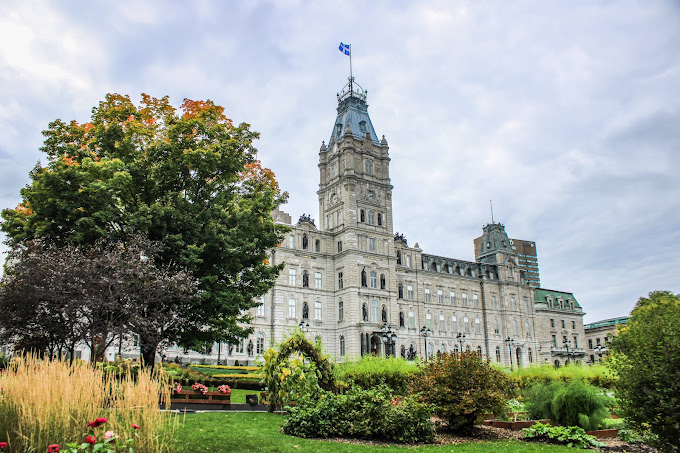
x=90, y=439
x=109, y=435
x=135, y=426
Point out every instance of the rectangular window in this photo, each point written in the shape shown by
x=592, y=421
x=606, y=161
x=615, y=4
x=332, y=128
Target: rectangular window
x=260, y=308
x=411, y=319
x=573, y=324
x=339, y=218
x=291, y=241
x=442, y=323
x=409, y=292
x=554, y=341
x=291, y=308
x=339, y=246
x=494, y=302
x=317, y=310
x=317, y=280
x=341, y=311
x=374, y=311
x=340, y=282
x=452, y=295
x=575, y=341
x=428, y=320
x=329, y=221
x=552, y=323
x=408, y=260
x=478, y=326
x=317, y=245
x=597, y=341
x=427, y=295
x=440, y=296
x=292, y=277
x=466, y=324
x=260, y=345
x=371, y=244
x=563, y=325
x=454, y=324
x=374, y=279
x=475, y=300
x=590, y=343
x=464, y=297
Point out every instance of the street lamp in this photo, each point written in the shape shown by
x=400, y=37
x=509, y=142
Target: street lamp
x=566, y=344
x=461, y=339
x=509, y=341
x=304, y=326
x=600, y=351
x=425, y=332
x=389, y=338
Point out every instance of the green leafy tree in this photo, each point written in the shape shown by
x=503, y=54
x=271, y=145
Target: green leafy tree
x=462, y=387
x=188, y=179
x=646, y=357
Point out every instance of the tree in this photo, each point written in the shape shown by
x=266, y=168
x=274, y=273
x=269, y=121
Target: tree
x=189, y=180
x=54, y=297
x=646, y=357
x=461, y=387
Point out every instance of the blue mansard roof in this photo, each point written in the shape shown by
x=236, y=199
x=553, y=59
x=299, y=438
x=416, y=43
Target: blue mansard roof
x=353, y=112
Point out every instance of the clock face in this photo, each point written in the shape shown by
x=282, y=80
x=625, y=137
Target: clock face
x=334, y=199
x=370, y=195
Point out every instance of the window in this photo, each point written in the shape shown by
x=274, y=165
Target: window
x=478, y=326
x=340, y=283
x=374, y=279
x=411, y=319
x=496, y=326
x=382, y=281
x=329, y=221
x=379, y=219
x=371, y=217
x=317, y=310
x=341, y=311
x=475, y=300
x=563, y=325
x=291, y=308
x=575, y=341
x=374, y=311
x=334, y=169
x=531, y=356
x=552, y=323
x=317, y=245
x=369, y=167
x=442, y=323
x=512, y=304
x=339, y=215
x=498, y=353
x=597, y=342
x=291, y=241
x=428, y=320
x=494, y=302
x=479, y=350
x=260, y=308
x=573, y=324
x=371, y=244
x=408, y=260
x=440, y=296
x=342, y=345
x=339, y=246
x=362, y=216
x=464, y=297
x=527, y=328
x=400, y=290
x=305, y=310
x=466, y=323
x=427, y=294
x=305, y=279
x=452, y=295
x=317, y=280
x=260, y=343
x=590, y=343
x=454, y=324
x=409, y=292
x=554, y=338
x=292, y=277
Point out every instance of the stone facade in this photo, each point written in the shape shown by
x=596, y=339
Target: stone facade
x=598, y=335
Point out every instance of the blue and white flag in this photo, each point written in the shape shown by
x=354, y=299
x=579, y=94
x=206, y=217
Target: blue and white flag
x=344, y=48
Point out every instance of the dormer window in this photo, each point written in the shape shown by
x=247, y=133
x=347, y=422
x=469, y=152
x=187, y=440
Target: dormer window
x=362, y=126
x=338, y=129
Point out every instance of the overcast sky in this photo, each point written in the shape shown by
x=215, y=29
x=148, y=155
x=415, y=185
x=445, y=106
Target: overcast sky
x=565, y=114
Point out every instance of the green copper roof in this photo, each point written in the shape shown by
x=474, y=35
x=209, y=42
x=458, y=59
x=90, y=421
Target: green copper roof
x=541, y=296
x=607, y=322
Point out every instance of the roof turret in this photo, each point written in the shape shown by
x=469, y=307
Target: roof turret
x=353, y=114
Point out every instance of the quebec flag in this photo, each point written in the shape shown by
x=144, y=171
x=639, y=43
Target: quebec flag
x=344, y=48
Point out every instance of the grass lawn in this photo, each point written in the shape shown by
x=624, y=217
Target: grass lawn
x=239, y=395
x=259, y=432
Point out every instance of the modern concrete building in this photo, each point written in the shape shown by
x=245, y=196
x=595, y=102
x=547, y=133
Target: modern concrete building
x=526, y=255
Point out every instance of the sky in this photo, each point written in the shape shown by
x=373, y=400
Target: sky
x=565, y=114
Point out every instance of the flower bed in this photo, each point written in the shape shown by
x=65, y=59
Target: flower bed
x=197, y=397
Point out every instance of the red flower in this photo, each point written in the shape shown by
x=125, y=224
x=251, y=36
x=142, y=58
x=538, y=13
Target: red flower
x=3, y=445
x=135, y=426
x=90, y=439
x=98, y=422
x=54, y=448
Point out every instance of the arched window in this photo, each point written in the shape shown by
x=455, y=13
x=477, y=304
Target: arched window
x=479, y=350
x=371, y=217
x=379, y=219
x=402, y=321
x=362, y=216
x=455, y=349
x=363, y=277
x=305, y=310
x=341, y=311
x=384, y=314
x=398, y=257
x=498, y=353
x=467, y=348
x=446, y=268
x=305, y=241
x=342, y=345
x=382, y=281
x=305, y=279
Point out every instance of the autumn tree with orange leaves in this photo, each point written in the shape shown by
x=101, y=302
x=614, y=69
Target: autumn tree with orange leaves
x=187, y=178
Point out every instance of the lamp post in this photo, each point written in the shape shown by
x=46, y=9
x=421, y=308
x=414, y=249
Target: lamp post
x=566, y=344
x=304, y=326
x=389, y=338
x=425, y=332
x=461, y=339
x=600, y=351
x=509, y=342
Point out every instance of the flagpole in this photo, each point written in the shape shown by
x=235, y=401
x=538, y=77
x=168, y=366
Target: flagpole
x=351, y=78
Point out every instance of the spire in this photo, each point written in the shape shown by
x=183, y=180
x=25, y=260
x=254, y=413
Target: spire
x=353, y=114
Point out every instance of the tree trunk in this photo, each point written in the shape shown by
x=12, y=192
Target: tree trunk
x=148, y=352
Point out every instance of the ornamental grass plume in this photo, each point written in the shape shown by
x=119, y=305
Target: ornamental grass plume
x=49, y=403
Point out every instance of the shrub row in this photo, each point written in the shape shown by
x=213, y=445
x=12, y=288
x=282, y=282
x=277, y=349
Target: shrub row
x=244, y=369
x=362, y=414
x=597, y=375
x=369, y=372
